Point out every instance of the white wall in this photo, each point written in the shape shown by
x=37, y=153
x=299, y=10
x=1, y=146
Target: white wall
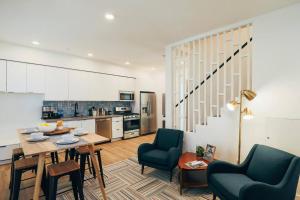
x=276, y=70
x=18, y=111
x=152, y=81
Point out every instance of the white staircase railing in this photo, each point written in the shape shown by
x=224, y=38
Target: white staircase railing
x=207, y=73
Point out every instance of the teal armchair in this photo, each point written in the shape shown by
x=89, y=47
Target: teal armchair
x=164, y=152
x=266, y=174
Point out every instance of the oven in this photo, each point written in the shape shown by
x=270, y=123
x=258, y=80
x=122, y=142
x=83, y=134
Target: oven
x=131, y=125
x=131, y=122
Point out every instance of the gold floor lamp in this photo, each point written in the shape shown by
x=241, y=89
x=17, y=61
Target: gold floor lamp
x=244, y=111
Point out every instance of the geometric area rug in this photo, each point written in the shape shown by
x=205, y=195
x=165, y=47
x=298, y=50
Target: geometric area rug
x=124, y=181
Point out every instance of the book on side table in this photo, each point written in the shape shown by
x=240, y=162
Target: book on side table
x=195, y=163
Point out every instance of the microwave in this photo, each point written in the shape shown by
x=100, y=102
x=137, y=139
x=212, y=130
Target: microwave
x=126, y=96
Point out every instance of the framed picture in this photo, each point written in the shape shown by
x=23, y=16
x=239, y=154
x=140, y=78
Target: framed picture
x=209, y=153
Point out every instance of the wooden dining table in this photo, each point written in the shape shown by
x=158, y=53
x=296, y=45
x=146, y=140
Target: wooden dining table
x=42, y=148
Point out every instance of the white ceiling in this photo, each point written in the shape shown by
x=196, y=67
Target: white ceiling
x=139, y=33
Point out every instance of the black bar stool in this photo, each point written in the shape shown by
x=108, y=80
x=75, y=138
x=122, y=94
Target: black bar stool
x=21, y=166
x=83, y=154
x=16, y=155
x=56, y=171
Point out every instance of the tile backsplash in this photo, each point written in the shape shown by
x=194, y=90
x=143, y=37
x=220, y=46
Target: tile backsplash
x=68, y=107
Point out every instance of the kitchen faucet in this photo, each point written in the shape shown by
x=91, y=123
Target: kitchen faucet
x=76, y=113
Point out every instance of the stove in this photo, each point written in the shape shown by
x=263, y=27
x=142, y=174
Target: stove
x=131, y=124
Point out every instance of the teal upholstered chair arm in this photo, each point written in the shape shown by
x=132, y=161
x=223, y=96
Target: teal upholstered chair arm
x=285, y=189
x=173, y=156
x=223, y=167
x=144, y=148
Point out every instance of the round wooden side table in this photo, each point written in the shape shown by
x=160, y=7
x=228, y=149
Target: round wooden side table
x=191, y=177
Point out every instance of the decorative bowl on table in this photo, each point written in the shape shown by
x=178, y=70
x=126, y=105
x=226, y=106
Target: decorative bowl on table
x=46, y=127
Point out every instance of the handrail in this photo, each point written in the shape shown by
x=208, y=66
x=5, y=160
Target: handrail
x=213, y=73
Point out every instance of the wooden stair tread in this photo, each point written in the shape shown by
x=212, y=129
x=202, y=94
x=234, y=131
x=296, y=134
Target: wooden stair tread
x=63, y=168
x=85, y=149
x=26, y=163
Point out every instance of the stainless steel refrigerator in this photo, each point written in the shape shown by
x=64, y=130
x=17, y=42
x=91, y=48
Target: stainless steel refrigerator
x=148, y=112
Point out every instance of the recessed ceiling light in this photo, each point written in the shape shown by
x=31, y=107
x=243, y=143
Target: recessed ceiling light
x=153, y=68
x=127, y=63
x=35, y=43
x=109, y=16
x=90, y=55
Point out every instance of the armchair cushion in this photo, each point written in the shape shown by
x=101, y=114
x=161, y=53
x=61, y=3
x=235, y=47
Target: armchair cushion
x=167, y=138
x=229, y=184
x=268, y=165
x=156, y=156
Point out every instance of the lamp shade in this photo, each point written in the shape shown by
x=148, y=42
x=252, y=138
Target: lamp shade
x=249, y=94
x=247, y=114
x=232, y=105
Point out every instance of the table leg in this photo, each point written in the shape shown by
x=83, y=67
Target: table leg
x=97, y=169
x=181, y=181
x=39, y=174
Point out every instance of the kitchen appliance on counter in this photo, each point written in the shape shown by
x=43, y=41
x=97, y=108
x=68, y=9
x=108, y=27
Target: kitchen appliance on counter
x=126, y=95
x=50, y=112
x=131, y=122
x=148, y=112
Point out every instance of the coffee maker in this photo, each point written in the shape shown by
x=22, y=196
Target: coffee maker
x=50, y=112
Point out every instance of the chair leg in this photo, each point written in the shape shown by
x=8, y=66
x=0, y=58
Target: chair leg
x=93, y=168
x=56, y=157
x=52, y=188
x=66, y=154
x=77, y=180
x=82, y=166
x=214, y=197
x=89, y=165
x=142, y=171
x=171, y=175
x=52, y=157
x=74, y=185
x=72, y=153
x=100, y=166
x=44, y=183
x=11, y=172
x=16, y=185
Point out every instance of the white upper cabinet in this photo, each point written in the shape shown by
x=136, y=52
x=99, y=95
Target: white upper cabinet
x=57, y=84
x=16, y=77
x=35, y=78
x=126, y=84
x=2, y=76
x=80, y=84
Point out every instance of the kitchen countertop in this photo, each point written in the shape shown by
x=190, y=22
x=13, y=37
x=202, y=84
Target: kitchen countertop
x=81, y=118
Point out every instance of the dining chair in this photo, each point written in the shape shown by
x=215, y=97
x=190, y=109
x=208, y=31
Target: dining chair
x=83, y=154
x=67, y=168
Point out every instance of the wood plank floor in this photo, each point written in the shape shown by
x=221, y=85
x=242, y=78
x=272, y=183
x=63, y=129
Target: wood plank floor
x=111, y=153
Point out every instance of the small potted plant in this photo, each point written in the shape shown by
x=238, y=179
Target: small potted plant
x=200, y=151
